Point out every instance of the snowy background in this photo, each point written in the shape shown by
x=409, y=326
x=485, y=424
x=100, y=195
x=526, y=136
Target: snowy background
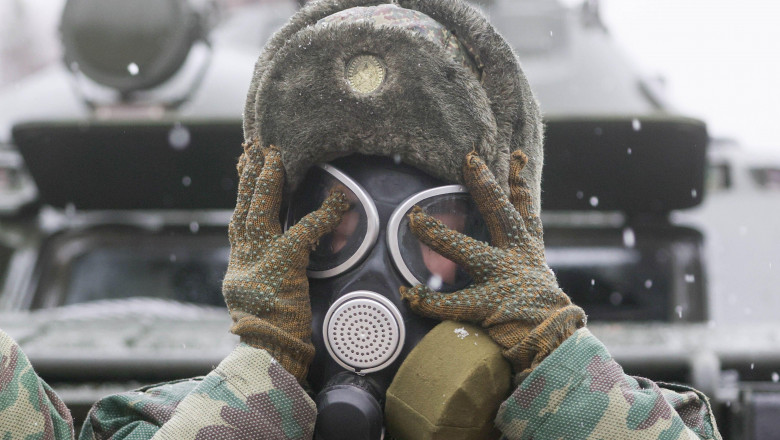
x=720, y=59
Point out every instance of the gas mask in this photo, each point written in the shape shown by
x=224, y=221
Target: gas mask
x=362, y=330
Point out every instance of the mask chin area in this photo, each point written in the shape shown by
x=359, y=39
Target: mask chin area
x=364, y=333
x=431, y=397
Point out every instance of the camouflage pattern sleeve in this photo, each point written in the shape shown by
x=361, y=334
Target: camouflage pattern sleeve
x=579, y=392
x=249, y=395
x=29, y=409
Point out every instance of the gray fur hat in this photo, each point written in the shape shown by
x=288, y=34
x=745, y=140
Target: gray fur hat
x=343, y=77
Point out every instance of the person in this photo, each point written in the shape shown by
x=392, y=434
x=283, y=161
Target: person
x=432, y=88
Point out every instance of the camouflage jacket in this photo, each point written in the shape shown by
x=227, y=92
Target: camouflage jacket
x=578, y=392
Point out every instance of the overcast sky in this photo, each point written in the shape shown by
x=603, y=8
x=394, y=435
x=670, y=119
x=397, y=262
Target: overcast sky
x=721, y=59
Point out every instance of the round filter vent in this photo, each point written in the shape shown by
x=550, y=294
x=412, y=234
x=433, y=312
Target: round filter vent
x=364, y=331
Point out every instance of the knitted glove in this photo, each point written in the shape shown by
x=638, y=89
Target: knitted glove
x=265, y=288
x=514, y=294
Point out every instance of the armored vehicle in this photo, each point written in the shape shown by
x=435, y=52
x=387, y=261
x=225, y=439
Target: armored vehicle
x=117, y=180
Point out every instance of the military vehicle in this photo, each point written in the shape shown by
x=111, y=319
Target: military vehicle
x=111, y=262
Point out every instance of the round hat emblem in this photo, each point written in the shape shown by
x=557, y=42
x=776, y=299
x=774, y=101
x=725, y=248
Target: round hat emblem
x=365, y=73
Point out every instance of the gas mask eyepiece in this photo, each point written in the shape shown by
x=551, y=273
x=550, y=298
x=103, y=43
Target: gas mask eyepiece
x=353, y=239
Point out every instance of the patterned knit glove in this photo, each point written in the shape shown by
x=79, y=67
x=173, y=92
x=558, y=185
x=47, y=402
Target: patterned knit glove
x=265, y=288
x=514, y=295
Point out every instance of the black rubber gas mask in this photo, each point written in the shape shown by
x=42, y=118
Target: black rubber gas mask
x=362, y=330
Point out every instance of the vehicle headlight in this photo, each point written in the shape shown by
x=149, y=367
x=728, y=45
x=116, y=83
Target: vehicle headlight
x=129, y=45
x=149, y=52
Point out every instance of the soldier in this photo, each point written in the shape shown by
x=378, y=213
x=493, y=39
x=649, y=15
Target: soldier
x=431, y=87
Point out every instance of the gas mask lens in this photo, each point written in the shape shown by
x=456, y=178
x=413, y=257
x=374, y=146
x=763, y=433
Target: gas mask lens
x=353, y=237
x=418, y=263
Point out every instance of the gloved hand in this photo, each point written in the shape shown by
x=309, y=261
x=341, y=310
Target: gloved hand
x=514, y=295
x=265, y=288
